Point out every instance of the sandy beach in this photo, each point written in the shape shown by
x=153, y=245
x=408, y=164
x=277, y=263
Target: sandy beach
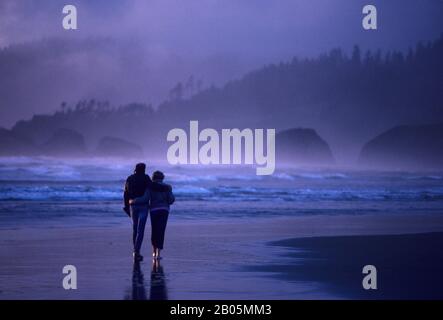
x=223, y=260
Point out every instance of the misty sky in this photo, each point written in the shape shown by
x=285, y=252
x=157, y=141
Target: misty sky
x=136, y=50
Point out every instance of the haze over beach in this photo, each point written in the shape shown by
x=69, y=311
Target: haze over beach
x=358, y=117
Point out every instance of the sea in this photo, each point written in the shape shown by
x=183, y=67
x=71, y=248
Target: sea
x=42, y=192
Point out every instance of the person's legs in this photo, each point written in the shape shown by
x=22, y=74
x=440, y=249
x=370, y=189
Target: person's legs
x=163, y=223
x=162, y=228
x=154, y=222
x=134, y=217
x=159, y=220
x=142, y=217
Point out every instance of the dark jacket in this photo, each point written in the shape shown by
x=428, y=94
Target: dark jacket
x=157, y=199
x=136, y=185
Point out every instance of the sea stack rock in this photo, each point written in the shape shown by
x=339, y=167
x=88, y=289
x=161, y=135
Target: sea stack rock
x=300, y=146
x=12, y=144
x=65, y=142
x=116, y=147
x=405, y=147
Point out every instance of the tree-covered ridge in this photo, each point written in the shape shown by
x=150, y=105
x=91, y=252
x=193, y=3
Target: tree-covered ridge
x=347, y=99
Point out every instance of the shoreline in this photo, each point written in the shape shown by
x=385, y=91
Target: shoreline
x=201, y=260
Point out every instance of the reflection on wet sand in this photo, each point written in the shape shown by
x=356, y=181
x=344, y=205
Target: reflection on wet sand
x=138, y=283
x=158, y=290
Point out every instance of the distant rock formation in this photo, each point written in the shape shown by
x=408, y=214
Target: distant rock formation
x=12, y=144
x=302, y=146
x=406, y=147
x=116, y=147
x=64, y=142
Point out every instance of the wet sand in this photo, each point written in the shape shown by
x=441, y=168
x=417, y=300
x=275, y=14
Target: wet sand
x=407, y=266
x=222, y=260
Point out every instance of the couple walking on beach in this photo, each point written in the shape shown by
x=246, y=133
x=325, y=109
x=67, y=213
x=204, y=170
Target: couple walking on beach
x=141, y=196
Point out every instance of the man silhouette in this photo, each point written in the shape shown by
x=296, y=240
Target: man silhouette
x=135, y=186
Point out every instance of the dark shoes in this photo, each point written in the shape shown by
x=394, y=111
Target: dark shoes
x=137, y=257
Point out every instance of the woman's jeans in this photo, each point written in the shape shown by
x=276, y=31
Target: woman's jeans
x=139, y=215
x=159, y=219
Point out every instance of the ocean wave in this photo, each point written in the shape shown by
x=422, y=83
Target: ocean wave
x=191, y=190
x=59, y=193
x=54, y=171
x=43, y=179
x=424, y=177
x=114, y=191
x=241, y=177
x=283, y=176
x=318, y=176
x=188, y=178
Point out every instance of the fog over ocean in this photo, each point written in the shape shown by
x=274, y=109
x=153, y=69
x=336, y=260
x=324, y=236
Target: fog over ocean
x=49, y=192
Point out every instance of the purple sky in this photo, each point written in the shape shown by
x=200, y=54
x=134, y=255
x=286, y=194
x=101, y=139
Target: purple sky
x=140, y=49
